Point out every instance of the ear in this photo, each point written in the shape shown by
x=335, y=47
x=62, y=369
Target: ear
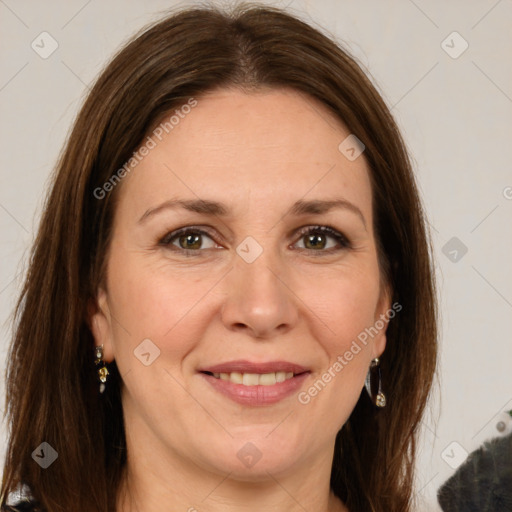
x=100, y=323
x=382, y=316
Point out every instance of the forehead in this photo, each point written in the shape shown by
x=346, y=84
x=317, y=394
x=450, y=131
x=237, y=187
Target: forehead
x=265, y=148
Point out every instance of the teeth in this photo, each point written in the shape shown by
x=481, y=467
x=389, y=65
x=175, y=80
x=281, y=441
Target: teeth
x=237, y=378
x=280, y=376
x=254, y=379
x=250, y=379
x=267, y=379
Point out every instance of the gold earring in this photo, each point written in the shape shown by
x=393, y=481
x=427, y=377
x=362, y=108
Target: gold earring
x=102, y=372
x=379, y=399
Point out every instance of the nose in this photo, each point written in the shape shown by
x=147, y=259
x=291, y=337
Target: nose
x=259, y=301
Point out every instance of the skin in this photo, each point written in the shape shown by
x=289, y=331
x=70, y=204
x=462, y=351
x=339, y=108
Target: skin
x=258, y=153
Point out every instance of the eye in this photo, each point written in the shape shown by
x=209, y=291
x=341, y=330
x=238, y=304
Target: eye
x=188, y=239
x=316, y=239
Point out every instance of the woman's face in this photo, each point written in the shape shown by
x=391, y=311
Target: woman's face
x=255, y=285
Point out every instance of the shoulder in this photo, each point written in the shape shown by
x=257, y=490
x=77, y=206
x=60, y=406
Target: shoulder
x=21, y=500
x=484, y=477
x=24, y=506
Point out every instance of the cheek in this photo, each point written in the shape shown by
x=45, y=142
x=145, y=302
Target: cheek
x=344, y=302
x=148, y=302
x=347, y=313
x=345, y=305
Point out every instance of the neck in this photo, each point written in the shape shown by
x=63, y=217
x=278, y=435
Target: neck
x=147, y=489
x=159, y=477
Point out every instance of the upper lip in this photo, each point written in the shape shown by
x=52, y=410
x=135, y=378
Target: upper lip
x=243, y=366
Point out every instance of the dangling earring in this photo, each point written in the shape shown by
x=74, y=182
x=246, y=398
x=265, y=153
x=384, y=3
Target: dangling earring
x=102, y=372
x=378, y=399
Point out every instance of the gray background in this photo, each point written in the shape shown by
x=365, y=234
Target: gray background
x=455, y=115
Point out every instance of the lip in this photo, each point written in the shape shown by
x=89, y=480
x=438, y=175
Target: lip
x=244, y=366
x=256, y=395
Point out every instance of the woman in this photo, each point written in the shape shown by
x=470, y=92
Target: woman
x=230, y=301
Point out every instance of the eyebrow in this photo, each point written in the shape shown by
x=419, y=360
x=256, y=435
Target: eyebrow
x=214, y=208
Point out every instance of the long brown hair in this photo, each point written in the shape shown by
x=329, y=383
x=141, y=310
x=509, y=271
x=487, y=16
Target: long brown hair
x=52, y=391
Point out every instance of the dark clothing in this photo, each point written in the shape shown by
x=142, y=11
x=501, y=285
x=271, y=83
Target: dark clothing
x=483, y=483
x=23, y=506
x=21, y=501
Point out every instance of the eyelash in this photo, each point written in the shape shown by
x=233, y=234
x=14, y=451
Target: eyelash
x=342, y=240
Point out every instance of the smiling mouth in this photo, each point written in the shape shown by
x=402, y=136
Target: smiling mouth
x=254, y=379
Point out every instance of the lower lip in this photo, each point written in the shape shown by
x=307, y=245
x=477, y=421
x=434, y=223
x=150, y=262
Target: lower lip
x=257, y=395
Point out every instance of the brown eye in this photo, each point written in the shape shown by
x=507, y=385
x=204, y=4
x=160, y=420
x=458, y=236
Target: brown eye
x=188, y=239
x=317, y=239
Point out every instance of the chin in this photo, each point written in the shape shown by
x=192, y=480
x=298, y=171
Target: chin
x=253, y=458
